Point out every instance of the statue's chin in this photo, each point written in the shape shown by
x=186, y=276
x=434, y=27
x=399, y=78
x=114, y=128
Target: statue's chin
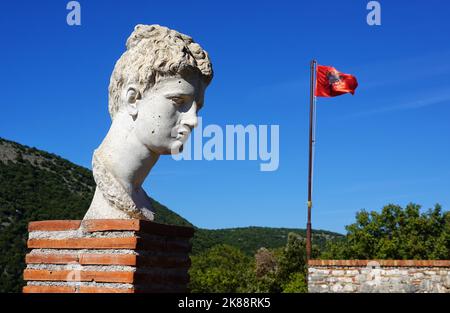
x=176, y=147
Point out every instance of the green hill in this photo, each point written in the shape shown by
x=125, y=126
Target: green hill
x=250, y=239
x=37, y=185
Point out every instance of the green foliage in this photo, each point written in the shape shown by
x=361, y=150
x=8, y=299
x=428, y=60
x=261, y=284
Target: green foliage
x=297, y=283
x=250, y=239
x=289, y=270
x=266, y=271
x=28, y=193
x=395, y=233
x=222, y=268
x=293, y=258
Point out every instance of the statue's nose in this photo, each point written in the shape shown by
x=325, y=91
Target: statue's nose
x=190, y=117
x=192, y=122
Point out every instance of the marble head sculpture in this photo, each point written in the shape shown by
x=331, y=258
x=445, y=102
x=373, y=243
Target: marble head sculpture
x=156, y=90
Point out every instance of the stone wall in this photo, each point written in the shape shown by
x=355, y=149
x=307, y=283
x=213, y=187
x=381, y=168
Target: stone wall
x=107, y=256
x=379, y=276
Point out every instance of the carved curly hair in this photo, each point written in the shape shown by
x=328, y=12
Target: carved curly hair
x=154, y=52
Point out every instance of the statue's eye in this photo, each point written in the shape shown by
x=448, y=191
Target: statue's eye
x=178, y=100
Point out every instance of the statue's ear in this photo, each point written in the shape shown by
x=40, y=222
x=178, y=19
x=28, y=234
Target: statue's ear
x=131, y=95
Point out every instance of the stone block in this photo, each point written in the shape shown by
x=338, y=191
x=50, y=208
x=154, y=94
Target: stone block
x=337, y=288
x=418, y=275
x=446, y=281
x=352, y=272
x=337, y=272
x=349, y=288
x=403, y=276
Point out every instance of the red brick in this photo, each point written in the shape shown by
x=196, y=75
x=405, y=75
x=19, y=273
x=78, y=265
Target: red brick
x=113, y=225
x=110, y=225
x=147, y=227
x=56, y=225
x=84, y=243
x=108, y=259
x=85, y=259
x=40, y=275
x=88, y=289
x=48, y=289
x=50, y=258
x=70, y=289
x=66, y=275
x=163, y=245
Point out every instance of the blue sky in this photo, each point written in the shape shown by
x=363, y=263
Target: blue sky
x=387, y=144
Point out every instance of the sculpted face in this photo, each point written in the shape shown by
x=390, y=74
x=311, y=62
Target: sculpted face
x=166, y=114
x=147, y=123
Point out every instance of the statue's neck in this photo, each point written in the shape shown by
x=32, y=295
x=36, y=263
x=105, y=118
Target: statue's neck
x=124, y=156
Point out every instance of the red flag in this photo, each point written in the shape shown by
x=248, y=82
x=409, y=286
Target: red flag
x=331, y=83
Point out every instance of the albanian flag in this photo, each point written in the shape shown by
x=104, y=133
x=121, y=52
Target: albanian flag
x=331, y=83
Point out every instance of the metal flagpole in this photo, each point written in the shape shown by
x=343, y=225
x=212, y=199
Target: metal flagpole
x=310, y=169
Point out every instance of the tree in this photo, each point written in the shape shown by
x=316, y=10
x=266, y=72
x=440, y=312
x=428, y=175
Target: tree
x=266, y=262
x=395, y=233
x=293, y=258
x=222, y=268
x=282, y=270
x=266, y=269
x=297, y=283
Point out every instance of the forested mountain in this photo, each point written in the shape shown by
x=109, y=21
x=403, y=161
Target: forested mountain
x=37, y=185
x=250, y=239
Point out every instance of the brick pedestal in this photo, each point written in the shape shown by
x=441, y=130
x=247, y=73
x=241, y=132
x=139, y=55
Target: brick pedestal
x=112, y=256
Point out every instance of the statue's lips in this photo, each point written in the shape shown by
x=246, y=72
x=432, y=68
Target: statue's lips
x=183, y=137
x=183, y=133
